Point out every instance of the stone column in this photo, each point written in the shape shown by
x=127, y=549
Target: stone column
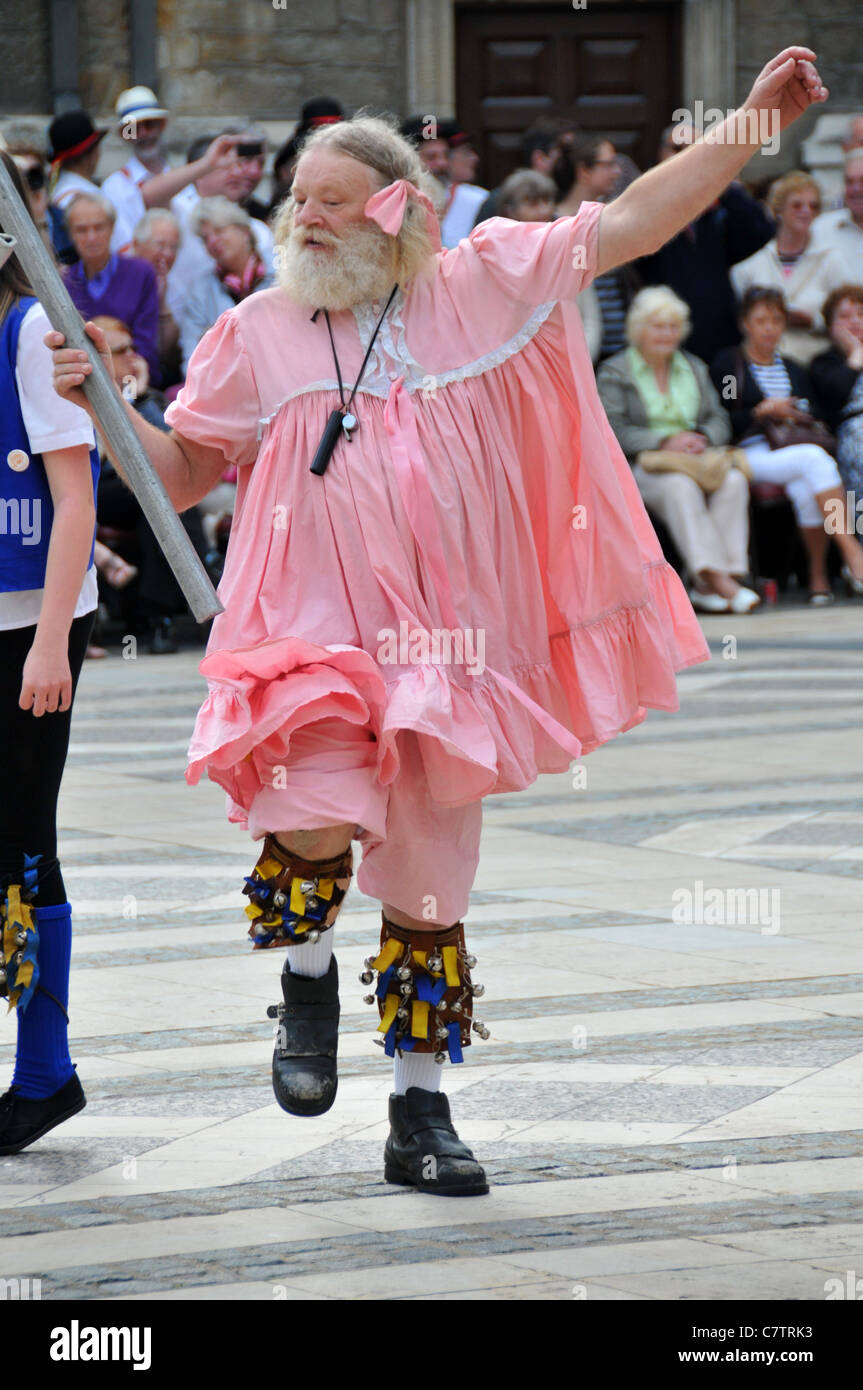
x=709, y=53
x=430, y=58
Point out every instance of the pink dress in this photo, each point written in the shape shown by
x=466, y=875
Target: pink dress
x=482, y=494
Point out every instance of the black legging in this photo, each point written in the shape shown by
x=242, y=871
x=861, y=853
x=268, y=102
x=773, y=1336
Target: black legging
x=33, y=757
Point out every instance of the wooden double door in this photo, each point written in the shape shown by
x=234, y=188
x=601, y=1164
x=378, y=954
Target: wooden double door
x=612, y=68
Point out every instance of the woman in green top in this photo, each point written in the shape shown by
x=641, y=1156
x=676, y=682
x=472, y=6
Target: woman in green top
x=658, y=397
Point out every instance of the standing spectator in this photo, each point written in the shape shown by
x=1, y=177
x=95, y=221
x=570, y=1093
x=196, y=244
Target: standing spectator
x=228, y=234
x=74, y=156
x=696, y=262
x=658, y=397
x=30, y=163
x=586, y=170
x=316, y=112
x=430, y=143
x=141, y=122
x=789, y=263
x=540, y=146
x=841, y=231
x=156, y=239
x=837, y=376
x=104, y=283
x=147, y=179
x=768, y=386
x=464, y=198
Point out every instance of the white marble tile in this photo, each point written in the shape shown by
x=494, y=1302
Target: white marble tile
x=630, y=1257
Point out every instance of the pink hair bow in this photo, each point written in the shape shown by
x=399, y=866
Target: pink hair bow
x=387, y=208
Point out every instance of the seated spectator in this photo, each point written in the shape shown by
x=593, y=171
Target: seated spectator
x=758, y=384
x=790, y=263
x=658, y=397
x=103, y=282
x=156, y=240
x=527, y=196
x=223, y=177
x=842, y=230
x=228, y=234
x=696, y=262
x=837, y=376
x=156, y=598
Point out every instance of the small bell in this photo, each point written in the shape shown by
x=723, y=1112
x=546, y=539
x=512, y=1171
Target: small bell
x=311, y=903
x=379, y=1042
x=368, y=998
x=456, y=1006
x=405, y=973
x=478, y=991
x=402, y=1013
x=366, y=977
x=406, y=989
x=470, y=962
x=2, y=977
x=441, y=1033
x=21, y=938
x=313, y=935
x=279, y=898
x=369, y=962
x=440, y=1058
x=435, y=963
x=307, y=886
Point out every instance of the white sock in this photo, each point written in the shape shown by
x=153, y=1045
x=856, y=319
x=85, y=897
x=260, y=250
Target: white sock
x=312, y=959
x=415, y=1069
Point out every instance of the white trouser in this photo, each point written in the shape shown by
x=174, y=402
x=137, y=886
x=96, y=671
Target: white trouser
x=711, y=530
x=803, y=469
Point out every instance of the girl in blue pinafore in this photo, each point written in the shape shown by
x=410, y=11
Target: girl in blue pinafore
x=49, y=469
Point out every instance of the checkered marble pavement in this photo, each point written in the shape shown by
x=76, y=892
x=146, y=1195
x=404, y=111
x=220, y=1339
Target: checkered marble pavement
x=670, y=1104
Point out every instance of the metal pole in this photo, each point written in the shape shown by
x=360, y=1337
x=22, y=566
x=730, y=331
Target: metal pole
x=101, y=391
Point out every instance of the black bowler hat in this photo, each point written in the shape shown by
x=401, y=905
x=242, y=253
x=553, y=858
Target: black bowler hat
x=71, y=135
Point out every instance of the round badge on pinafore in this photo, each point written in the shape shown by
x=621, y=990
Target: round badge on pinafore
x=18, y=460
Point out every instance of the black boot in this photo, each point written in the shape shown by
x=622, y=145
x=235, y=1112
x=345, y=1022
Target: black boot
x=424, y=1151
x=23, y=1120
x=304, y=1060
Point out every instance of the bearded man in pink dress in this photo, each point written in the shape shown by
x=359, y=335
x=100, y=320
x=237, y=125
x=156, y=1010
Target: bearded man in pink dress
x=441, y=580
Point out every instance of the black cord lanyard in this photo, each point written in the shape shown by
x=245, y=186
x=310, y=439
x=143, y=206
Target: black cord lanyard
x=342, y=421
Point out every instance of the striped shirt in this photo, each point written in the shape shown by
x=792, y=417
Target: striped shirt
x=772, y=380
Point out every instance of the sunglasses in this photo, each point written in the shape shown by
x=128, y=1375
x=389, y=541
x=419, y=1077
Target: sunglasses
x=34, y=177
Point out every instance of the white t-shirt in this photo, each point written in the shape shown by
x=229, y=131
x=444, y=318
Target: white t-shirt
x=465, y=202
x=123, y=189
x=51, y=423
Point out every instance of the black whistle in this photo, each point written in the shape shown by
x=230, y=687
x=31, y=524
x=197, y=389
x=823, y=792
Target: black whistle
x=329, y=440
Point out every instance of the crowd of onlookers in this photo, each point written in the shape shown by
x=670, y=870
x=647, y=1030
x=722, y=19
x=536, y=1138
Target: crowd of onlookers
x=730, y=363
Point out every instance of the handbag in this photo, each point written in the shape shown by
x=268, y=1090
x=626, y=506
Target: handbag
x=781, y=434
x=709, y=469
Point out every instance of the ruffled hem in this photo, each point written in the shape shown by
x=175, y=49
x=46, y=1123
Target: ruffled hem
x=495, y=735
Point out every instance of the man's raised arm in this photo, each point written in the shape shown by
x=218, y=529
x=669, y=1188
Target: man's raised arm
x=664, y=200
x=188, y=470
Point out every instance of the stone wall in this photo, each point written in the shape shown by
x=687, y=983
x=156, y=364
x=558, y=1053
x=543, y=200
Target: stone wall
x=245, y=55
x=833, y=29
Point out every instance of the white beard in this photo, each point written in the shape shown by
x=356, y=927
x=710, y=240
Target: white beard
x=360, y=267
